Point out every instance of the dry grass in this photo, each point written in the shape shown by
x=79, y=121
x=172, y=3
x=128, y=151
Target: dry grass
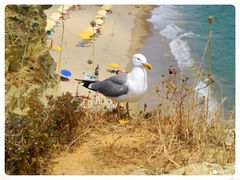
x=179, y=132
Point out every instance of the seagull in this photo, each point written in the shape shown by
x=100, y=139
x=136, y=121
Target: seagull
x=127, y=87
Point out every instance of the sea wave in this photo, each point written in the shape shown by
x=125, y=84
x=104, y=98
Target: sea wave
x=202, y=90
x=171, y=31
x=189, y=35
x=182, y=52
x=163, y=15
x=179, y=48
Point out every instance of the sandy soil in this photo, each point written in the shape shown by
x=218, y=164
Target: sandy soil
x=111, y=150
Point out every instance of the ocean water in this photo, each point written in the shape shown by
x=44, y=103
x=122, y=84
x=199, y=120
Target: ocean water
x=183, y=32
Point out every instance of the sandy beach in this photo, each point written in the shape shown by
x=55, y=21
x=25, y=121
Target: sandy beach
x=123, y=33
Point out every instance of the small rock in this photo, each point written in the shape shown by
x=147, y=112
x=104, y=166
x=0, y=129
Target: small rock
x=180, y=171
x=140, y=171
x=205, y=169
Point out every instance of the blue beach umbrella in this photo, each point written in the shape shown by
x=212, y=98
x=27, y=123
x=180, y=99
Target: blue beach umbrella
x=66, y=72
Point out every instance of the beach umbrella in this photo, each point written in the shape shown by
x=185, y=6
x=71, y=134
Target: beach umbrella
x=106, y=7
x=48, y=27
x=65, y=72
x=67, y=7
x=91, y=29
x=50, y=24
x=54, y=47
x=84, y=35
x=99, y=16
x=99, y=21
x=89, y=32
x=61, y=9
x=114, y=65
x=55, y=16
x=102, y=12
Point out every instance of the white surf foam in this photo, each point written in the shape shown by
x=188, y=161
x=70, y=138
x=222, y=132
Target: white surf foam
x=163, y=15
x=203, y=91
x=181, y=52
x=171, y=31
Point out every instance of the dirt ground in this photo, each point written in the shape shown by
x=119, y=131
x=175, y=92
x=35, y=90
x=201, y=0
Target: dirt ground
x=111, y=150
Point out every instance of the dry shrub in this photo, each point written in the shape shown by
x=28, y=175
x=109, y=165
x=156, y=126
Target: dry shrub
x=27, y=140
x=32, y=139
x=187, y=131
x=65, y=113
x=179, y=132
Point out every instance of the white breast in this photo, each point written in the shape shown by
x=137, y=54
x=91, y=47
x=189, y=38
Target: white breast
x=137, y=85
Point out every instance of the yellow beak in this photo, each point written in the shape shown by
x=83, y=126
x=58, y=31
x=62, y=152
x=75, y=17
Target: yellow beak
x=147, y=65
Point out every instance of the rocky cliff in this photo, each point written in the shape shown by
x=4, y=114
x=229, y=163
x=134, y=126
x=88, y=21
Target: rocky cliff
x=29, y=68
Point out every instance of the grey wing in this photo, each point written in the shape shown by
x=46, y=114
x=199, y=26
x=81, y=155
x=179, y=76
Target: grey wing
x=112, y=87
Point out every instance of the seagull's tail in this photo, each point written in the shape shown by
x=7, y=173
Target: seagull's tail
x=87, y=84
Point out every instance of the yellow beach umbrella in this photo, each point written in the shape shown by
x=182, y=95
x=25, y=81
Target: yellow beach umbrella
x=102, y=12
x=106, y=7
x=48, y=27
x=99, y=21
x=50, y=24
x=89, y=33
x=114, y=65
x=55, y=16
x=54, y=47
x=84, y=35
x=99, y=16
x=91, y=29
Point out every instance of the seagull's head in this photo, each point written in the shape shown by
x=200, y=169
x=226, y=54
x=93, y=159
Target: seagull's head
x=139, y=60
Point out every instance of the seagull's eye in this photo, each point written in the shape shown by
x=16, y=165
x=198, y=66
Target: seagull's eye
x=138, y=59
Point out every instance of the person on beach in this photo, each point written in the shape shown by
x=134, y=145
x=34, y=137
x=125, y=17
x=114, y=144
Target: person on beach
x=96, y=72
x=172, y=70
x=99, y=31
x=118, y=72
x=51, y=43
x=109, y=11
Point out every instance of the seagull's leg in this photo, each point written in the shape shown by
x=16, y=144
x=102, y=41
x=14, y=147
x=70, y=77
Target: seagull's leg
x=127, y=107
x=118, y=110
